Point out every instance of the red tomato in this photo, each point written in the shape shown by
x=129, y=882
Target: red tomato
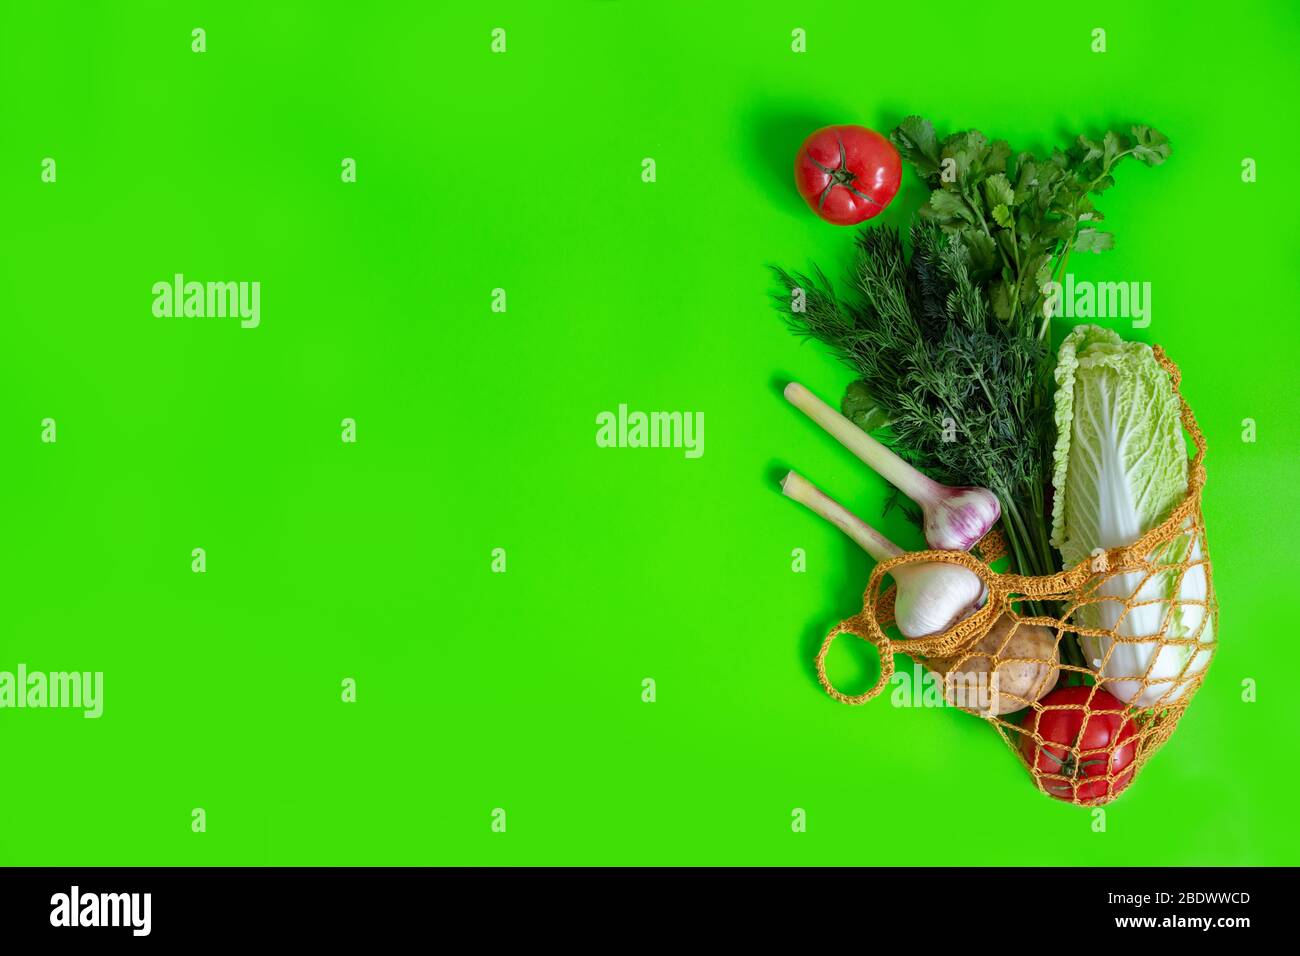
x=1103, y=734
x=847, y=173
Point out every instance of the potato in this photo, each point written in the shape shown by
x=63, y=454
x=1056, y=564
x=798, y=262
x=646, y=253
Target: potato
x=1007, y=677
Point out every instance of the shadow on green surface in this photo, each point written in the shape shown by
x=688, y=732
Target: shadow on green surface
x=853, y=664
x=773, y=137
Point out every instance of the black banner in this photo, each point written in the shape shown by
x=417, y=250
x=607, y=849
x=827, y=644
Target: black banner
x=233, y=905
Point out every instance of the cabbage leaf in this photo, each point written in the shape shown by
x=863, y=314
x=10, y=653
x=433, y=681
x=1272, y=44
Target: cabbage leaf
x=1120, y=463
x=1119, y=468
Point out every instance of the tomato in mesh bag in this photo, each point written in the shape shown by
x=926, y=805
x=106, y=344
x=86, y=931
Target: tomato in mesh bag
x=1102, y=733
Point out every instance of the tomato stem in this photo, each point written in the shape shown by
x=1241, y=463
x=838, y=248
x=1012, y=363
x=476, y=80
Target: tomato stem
x=839, y=176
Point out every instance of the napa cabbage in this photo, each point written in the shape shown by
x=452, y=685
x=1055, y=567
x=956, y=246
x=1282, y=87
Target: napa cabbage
x=1119, y=468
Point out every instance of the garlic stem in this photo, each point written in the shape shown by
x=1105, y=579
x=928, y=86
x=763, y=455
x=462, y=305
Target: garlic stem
x=930, y=595
x=893, y=469
x=798, y=488
x=955, y=518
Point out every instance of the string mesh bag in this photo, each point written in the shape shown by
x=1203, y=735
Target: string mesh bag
x=1134, y=678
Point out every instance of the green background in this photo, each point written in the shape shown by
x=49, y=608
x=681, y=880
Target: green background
x=476, y=429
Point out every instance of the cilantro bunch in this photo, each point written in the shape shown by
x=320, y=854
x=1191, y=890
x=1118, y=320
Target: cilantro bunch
x=1020, y=217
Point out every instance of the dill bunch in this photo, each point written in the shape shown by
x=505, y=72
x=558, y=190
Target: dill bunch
x=961, y=390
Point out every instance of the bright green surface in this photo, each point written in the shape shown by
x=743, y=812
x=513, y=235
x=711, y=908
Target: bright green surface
x=476, y=430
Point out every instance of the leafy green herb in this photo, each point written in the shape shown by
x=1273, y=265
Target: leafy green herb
x=860, y=408
x=1020, y=217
